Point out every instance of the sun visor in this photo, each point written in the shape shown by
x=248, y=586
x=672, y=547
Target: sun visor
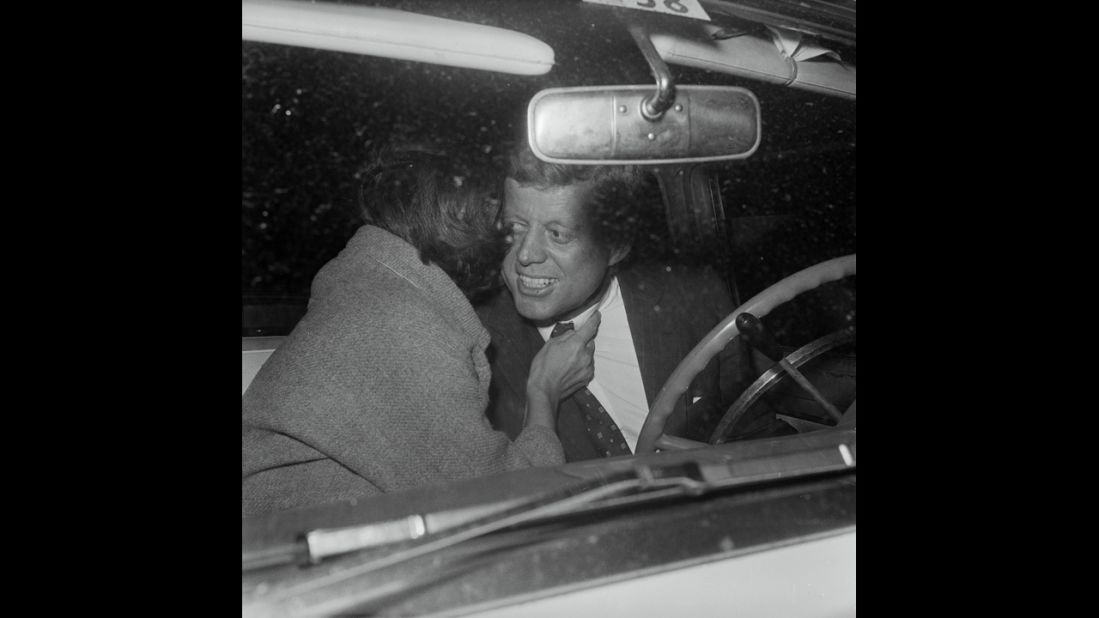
x=783, y=57
x=391, y=33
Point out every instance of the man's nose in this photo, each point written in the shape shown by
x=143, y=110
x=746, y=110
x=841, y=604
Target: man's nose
x=531, y=250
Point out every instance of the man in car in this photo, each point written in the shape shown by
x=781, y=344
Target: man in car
x=571, y=231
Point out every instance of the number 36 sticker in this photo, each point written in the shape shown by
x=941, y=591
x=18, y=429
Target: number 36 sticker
x=684, y=8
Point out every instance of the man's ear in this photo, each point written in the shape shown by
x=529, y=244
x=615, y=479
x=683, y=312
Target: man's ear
x=618, y=254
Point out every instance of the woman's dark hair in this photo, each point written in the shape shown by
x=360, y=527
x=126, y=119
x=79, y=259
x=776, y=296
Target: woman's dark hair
x=432, y=200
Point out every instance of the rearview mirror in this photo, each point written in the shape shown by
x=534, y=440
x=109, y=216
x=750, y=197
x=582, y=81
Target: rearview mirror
x=605, y=124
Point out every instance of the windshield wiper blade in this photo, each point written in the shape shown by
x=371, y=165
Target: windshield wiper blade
x=641, y=482
x=320, y=544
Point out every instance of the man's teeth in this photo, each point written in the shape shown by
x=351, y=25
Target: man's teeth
x=535, y=282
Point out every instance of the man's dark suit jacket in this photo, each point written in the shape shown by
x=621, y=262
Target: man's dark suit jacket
x=669, y=310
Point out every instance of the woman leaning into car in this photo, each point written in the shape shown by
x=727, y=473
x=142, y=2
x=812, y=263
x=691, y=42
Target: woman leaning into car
x=383, y=384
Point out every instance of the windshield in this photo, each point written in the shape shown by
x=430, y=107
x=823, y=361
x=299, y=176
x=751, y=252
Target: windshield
x=765, y=412
x=310, y=117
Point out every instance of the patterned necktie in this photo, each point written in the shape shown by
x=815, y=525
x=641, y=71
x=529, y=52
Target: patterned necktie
x=601, y=428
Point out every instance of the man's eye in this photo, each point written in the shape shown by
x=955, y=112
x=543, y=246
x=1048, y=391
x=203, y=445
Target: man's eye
x=558, y=236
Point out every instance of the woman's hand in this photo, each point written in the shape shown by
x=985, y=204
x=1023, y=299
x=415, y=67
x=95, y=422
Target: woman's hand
x=564, y=365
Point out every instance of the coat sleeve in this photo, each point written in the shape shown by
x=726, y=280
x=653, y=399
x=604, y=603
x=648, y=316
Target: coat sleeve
x=404, y=404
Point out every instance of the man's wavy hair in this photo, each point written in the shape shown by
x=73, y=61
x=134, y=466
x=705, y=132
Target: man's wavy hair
x=429, y=198
x=616, y=197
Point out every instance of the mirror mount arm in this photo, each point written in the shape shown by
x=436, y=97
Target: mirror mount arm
x=654, y=106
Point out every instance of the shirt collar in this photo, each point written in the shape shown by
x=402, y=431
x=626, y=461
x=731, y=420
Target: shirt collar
x=608, y=297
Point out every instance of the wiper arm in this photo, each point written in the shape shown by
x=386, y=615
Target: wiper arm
x=317, y=545
x=648, y=481
x=692, y=477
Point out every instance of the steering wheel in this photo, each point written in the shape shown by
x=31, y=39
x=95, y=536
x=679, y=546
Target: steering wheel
x=652, y=432
x=774, y=376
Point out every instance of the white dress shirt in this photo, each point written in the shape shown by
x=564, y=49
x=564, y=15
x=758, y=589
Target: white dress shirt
x=617, y=383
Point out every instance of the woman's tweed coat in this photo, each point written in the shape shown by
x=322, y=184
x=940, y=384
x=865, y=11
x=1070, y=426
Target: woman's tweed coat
x=382, y=386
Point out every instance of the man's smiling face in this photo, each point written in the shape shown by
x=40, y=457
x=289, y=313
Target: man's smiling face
x=555, y=265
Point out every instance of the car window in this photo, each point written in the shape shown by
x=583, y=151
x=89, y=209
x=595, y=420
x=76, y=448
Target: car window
x=314, y=121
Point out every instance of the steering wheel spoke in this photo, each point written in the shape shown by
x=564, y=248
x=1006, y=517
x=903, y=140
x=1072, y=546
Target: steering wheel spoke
x=774, y=376
x=800, y=424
